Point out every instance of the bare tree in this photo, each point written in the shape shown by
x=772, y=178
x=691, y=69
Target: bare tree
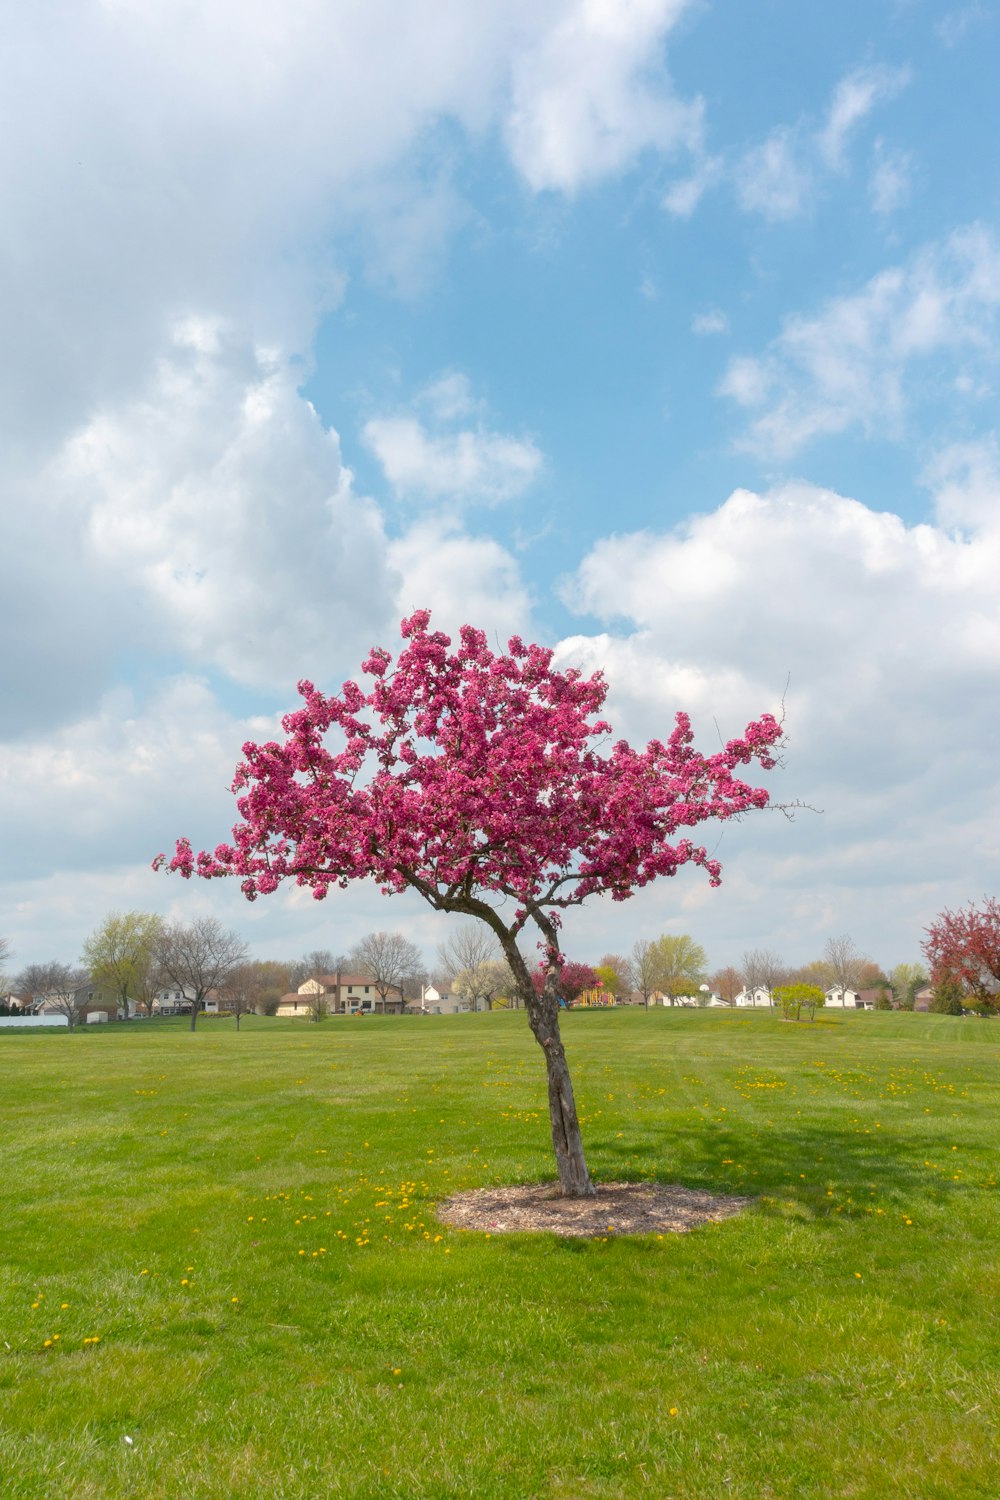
x=644, y=970
x=57, y=987
x=763, y=970
x=388, y=959
x=199, y=956
x=486, y=982
x=311, y=965
x=468, y=946
x=817, y=971
x=253, y=986
x=846, y=962
x=5, y=956
x=727, y=984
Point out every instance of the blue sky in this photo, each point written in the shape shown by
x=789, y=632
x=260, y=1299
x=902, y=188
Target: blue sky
x=666, y=332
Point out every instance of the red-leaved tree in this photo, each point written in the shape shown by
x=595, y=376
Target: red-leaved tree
x=965, y=945
x=476, y=779
x=573, y=979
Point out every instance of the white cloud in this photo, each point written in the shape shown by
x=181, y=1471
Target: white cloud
x=890, y=636
x=470, y=465
x=462, y=579
x=683, y=196
x=220, y=500
x=965, y=480
x=955, y=26
x=781, y=177
x=449, y=396
x=891, y=179
x=772, y=179
x=848, y=364
x=589, y=96
x=709, y=322
x=854, y=98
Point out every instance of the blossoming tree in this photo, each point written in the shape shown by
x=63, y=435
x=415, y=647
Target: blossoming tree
x=964, y=945
x=480, y=781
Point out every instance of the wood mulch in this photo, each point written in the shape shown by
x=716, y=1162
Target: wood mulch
x=618, y=1208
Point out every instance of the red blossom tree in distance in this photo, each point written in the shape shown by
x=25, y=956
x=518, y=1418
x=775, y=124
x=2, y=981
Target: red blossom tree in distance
x=573, y=979
x=481, y=781
x=964, y=945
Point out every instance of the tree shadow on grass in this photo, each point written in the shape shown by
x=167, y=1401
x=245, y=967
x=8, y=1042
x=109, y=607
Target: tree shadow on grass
x=824, y=1172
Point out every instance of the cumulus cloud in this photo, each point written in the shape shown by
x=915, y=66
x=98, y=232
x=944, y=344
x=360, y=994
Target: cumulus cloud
x=470, y=464
x=889, y=638
x=461, y=578
x=221, y=500
x=849, y=364
x=589, y=94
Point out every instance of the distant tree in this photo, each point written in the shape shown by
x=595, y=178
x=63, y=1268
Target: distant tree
x=846, y=961
x=470, y=945
x=617, y=973
x=817, y=971
x=199, y=956
x=58, y=985
x=964, y=946
x=763, y=970
x=574, y=978
x=254, y=986
x=727, y=984
x=679, y=964
x=948, y=997
x=904, y=981
x=796, y=997
x=644, y=969
x=485, y=984
x=318, y=961
x=121, y=956
x=5, y=956
x=388, y=959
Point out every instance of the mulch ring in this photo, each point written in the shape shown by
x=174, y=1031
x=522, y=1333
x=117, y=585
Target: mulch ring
x=619, y=1208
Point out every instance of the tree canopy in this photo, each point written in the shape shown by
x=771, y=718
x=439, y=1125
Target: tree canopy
x=964, y=946
x=481, y=781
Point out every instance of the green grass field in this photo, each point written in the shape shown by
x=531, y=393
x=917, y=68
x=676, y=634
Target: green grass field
x=222, y=1273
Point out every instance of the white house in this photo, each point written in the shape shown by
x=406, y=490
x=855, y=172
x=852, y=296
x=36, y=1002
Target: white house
x=841, y=998
x=757, y=996
x=435, y=1002
x=174, y=1000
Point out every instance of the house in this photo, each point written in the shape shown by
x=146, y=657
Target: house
x=344, y=995
x=174, y=1000
x=754, y=996
x=440, y=1002
x=841, y=998
x=84, y=1001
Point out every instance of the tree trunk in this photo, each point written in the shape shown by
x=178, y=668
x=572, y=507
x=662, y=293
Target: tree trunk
x=194, y=1014
x=567, y=1142
x=543, y=1017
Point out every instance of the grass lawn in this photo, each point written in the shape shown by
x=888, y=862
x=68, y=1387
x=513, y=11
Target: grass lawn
x=221, y=1274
